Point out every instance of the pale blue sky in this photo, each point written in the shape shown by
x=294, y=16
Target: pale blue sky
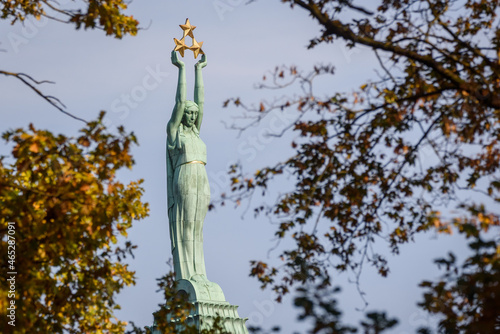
x=134, y=81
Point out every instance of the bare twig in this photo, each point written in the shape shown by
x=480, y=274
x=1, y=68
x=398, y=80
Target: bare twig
x=30, y=82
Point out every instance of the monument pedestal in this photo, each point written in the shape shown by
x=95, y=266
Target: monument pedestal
x=209, y=303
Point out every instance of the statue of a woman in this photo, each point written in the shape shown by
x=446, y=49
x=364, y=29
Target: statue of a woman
x=187, y=181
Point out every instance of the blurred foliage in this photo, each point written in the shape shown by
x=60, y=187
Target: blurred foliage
x=103, y=14
x=467, y=298
x=385, y=160
x=68, y=210
x=174, y=315
x=416, y=149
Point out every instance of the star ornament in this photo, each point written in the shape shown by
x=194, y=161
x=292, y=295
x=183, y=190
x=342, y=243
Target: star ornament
x=196, y=48
x=180, y=46
x=187, y=29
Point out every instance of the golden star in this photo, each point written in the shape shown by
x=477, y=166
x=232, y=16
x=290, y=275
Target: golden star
x=196, y=48
x=188, y=29
x=180, y=46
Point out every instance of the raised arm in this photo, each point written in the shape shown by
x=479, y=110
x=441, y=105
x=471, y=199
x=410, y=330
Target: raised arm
x=199, y=90
x=180, y=98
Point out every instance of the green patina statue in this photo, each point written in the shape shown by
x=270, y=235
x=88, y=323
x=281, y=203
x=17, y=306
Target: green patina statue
x=188, y=188
x=188, y=200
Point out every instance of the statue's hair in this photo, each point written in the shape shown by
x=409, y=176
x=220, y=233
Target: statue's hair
x=190, y=104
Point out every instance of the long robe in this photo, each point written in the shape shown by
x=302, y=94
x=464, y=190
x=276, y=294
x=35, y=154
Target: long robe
x=188, y=200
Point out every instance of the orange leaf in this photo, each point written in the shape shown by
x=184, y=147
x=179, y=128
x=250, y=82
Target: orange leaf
x=34, y=147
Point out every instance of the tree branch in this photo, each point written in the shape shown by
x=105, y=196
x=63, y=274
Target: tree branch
x=337, y=28
x=30, y=82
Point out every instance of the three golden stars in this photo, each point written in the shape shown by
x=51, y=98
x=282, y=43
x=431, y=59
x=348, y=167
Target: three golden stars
x=180, y=45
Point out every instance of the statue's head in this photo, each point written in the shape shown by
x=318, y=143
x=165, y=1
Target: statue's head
x=190, y=114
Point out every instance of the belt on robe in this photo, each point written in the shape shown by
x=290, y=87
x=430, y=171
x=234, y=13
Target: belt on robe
x=196, y=162
x=191, y=162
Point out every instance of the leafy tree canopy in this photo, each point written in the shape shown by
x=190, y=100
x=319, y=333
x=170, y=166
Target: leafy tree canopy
x=103, y=14
x=414, y=150
x=67, y=209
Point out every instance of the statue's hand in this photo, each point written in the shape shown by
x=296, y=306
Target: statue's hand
x=202, y=62
x=175, y=60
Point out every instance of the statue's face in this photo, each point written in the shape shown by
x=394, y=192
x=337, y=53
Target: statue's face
x=190, y=115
